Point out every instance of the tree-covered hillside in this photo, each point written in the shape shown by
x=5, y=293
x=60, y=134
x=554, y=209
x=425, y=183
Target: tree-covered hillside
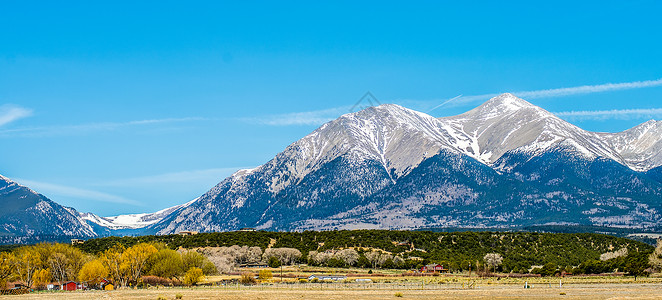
x=520, y=250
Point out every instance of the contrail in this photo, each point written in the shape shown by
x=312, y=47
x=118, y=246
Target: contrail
x=442, y=104
x=618, y=114
x=559, y=92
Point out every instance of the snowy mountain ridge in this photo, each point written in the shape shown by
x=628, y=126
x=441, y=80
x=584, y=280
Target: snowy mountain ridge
x=505, y=163
x=508, y=123
x=341, y=168
x=131, y=221
x=28, y=213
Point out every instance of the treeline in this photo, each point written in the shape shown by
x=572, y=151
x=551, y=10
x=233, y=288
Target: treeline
x=165, y=260
x=410, y=249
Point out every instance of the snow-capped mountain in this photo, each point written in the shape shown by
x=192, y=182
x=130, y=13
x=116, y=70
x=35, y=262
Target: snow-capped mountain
x=640, y=146
x=505, y=163
x=28, y=216
x=26, y=213
x=507, y=123
x=130, y=221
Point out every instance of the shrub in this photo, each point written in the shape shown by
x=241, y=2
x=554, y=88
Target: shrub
x=193, y=276
x=161, y=298
x=335, y=263
x=179, y=296
x=265, y=275
x=398, y=294
x=274, y=262
x=247, y=278
x=155, y=280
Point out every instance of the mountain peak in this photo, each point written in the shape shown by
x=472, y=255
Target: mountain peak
x=651, y=126
x=651, y=123
x=506, y=106
x=508, y=101
x=4, y=178
x=387, y=108
x=384, y=112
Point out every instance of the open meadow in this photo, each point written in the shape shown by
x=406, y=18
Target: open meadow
x=405, y=287
x=376, y=291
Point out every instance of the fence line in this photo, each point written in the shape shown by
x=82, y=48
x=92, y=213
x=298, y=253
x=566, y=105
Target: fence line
x=350, y=286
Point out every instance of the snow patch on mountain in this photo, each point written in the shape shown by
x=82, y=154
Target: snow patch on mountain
x=507, y=123
x=640, y=146
x=132, y=221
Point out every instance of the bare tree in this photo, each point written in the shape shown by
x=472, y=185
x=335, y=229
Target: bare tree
x=254, y=254
x=373, y=257
x=610, y=255
x=383, y=258
x=320, y=258
x=224, y=263
x=348, y=256
x=311, y=256
x=286, y=256
x=493, y=260
x=398, y=260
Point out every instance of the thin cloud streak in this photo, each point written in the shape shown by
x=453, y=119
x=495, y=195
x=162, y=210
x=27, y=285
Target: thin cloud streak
x=560, y=92
x=316, y=117
x=213, y=175
x=90, y=127
x=55, y=190
x=319, y=117
x=10, y=113
x=614, y=114
x=445, y=102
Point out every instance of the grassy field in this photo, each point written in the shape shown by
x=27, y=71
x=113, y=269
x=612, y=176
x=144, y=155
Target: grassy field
x=383, y=291
x=388, y=284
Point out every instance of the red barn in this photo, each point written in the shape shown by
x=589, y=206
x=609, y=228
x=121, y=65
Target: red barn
x=70, y=286
x=433, y=268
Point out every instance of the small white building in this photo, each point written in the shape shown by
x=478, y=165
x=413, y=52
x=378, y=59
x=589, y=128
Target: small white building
x=327, y=277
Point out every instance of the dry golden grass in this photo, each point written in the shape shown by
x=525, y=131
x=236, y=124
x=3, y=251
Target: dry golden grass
x=383, y=291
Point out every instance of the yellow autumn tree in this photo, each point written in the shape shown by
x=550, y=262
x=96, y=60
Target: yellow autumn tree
x=6, y=268
x=26, y=263
x=41, y=278
x=65, y=261
x=113, y=260
x=166, y=263
x=135, y=259
x=193, y=276
x=92, y=272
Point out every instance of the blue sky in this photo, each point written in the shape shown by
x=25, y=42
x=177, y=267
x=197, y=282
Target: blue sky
x=126, y=107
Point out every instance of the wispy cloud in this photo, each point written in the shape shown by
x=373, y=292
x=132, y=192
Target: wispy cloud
x=614, y=114
x=10, y=113
x=557, y=92
x=90, y=127
x=192, y=176
x=315, y=117
x=318, y=117
x=62, y=191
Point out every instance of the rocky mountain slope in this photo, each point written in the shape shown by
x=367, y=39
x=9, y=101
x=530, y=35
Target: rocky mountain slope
x=505, y=163
x=26, y=213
